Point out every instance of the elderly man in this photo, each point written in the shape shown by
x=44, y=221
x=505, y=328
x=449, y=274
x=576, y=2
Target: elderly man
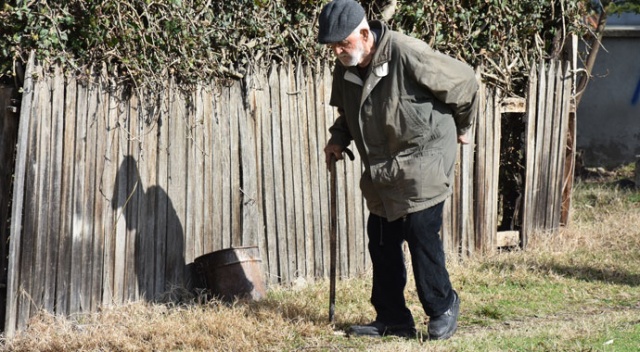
x=404, y=105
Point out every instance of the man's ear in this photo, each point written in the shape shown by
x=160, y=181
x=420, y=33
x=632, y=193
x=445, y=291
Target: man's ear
x=365, y=34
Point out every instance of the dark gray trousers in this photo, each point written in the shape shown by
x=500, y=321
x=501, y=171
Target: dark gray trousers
x=421, y=232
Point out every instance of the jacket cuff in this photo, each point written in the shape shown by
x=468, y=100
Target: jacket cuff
x=339, y=140
x=463, y=130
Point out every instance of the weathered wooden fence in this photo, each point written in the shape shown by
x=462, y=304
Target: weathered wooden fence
x=550, y=137
x=116, y=194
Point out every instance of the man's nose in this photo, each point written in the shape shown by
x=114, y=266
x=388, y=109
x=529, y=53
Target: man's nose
x=337, y=50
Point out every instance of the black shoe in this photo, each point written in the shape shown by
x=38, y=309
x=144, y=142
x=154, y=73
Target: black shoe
x=378, y=329
x=443, y=326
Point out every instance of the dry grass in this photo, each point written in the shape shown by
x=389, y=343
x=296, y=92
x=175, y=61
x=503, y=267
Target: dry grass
x=146, y=327
x=576, y=290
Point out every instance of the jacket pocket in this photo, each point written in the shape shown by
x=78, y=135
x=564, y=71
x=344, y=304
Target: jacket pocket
x=415, y=118
x=422, y=176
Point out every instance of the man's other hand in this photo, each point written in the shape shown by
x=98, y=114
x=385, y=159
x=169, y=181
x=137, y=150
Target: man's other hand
x=464, y=138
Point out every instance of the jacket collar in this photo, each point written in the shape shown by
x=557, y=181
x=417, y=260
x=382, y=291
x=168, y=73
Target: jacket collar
x=380, y=61
x=383, y=48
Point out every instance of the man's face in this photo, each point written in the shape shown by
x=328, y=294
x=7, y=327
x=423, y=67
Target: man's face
x=350, y=51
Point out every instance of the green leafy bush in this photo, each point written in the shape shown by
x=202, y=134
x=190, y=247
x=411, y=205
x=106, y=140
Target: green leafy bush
x=504, y=36
x=143, y=40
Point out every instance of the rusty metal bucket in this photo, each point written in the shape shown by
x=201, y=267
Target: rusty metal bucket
x=233, y=273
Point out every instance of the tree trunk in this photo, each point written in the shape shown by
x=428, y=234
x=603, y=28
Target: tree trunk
x=595, y=44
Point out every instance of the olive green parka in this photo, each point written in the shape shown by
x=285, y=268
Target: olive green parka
x=404, y=119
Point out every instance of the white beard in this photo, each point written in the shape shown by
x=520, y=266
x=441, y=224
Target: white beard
x=355, y=58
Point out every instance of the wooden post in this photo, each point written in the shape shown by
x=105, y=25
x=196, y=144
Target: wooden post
x=8, y=136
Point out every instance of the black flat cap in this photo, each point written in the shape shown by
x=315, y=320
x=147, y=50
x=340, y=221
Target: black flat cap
x=338, y=19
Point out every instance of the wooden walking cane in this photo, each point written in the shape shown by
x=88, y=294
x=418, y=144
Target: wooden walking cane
x=333, y=240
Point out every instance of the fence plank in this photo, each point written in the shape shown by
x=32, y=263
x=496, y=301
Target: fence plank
x=361, y=251
x=492, y=162
x=63, y=279
x=554, y=120
x=255, y=86
x=29, y=295
x=559, y=145
x=278, y=185
x=199, y=134
x=207, y=226
x=481, y=162
x=258, y=86
x=134, y=190
x=218, y=166
x=325, y=113
x=530, y=158
x=315, y=167
x=93, y=247
x=12, y=321
x=287, y=170
x=152, y=283
x=551, y=138
x=466, y=187
x=496, y=134
x=55, y=187
x=322, y=104
x=164, y=240
x=249, y=188
x=122, y=195
x=292, y=149
x=546, y=146
x=352, y=202
x=190, y=174
x=566, y=83
x=466, y=193
x=329, y=120
x=147, y=212
x=236, y=111
x=96, y=202
x=79, y=297
x=107, y=188
x=485, y=147
x=447, y=224
x=304, y=141
x=225, y=166
x=42, y=195
x=570, y=151
x=350, y=216
x=538, y=186
x=342, y=214
x=451, y=241
x=265, y=110
x=177, y=177
x=209, y=229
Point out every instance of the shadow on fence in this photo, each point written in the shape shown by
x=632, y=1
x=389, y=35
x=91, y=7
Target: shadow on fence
x=158, y=258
